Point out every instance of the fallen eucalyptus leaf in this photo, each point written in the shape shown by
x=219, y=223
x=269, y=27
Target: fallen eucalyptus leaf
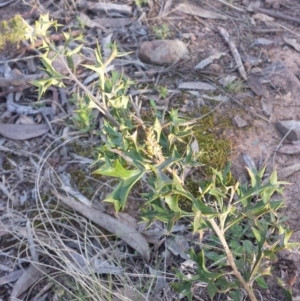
x=22, y=131
x=209, y=60
x=29, y=277
x=290, y=149
x=196, y=86
x=198, y=11
x=11, y=277
x=249, y=162
x=130, y=235
x=293, y=43
x=287, y=171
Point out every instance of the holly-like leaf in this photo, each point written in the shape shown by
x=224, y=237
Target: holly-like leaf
x=261, y=282
x=116, y=170
x=120, y=194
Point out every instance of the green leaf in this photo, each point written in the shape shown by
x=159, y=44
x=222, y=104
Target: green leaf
x=174, y=117
x=119, y=196
x=287, y=235
x=248, y=247
x=259, y=236
x=184, y=288
x=204, y=274
x=116, y=170
x=273, y=178
x=269, y=255
x=175, y=157
x=212, y=289
x=288, y=293
x=172, y=201
x=205, y=210
x=261, y=282
x=198, y=221
x=235, y=295
x=75, y=50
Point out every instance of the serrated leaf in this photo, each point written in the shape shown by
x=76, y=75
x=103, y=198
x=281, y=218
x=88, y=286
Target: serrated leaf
x=287, y=235
x=287, y=292
x=175, y=157
x=257, y=235
x=116, y=170
x=212, y=290
x=205, y=210
x=198, y=220
x=235, y=295
x=273, y=178
x=120, y=194
x=184, y=288
x=204, y=274
x=261, y=282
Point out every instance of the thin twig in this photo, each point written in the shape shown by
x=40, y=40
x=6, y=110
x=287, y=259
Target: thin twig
x=234, y=51
x=276, y=14
x=231, y=5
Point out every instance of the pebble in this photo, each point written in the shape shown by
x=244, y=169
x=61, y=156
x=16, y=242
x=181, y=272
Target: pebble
x=161, y=52
x=216, y=68
x=289, y=125
x=239, y=122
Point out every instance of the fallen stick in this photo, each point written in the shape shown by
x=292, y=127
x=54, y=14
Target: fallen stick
x=234, y=52
x=276, y=14
x=18, y=89
x=19, y=80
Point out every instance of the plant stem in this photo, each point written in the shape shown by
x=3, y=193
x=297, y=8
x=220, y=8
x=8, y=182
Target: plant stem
x=231, y=260
x=102, y=109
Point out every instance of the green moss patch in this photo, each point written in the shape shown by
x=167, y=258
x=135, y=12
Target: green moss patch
x=12, y=31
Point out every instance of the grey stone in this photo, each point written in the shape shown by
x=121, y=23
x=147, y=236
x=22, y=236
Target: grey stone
x=267, y=108
x=291, y=126
x=162, y=52
x=239, y=122
x=282, y=78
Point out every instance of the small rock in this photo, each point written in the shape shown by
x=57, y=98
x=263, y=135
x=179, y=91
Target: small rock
x=216, y=68
x=267, y=108
x=255, y=85
x=291, y=126
x=239, y=122
x=255, y=70
x=162, y=52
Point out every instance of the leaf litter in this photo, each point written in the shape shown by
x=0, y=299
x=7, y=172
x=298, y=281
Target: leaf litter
x=129, y=24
